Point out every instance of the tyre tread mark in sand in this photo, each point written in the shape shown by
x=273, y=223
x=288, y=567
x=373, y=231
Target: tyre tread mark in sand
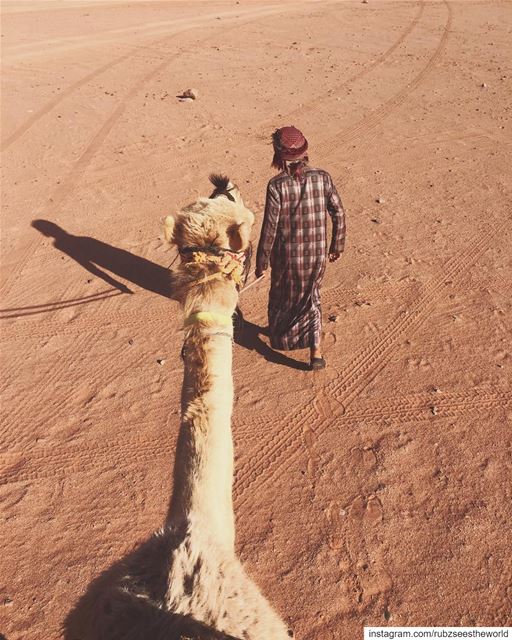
x=52, y=104
x=84, y=160
x=136, y=449
x=347, y=386
x=67, y=43
x=104, y=375
x=346, y=379
x=49, y=106
x=368, y=123
x=314, y=101
x=419, y=407
x=16, y=330
x=69, y=182
x=378, y=61
x=144, y=48
x=306, y=412
x=404, y=320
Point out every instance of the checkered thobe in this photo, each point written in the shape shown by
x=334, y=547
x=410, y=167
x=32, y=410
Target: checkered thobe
x=294, y=242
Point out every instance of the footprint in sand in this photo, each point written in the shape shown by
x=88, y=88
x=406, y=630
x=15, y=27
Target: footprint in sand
x=374, y=511
x=333, y=516
x=364, y=457
x=368, y=511
x=351, y=535
x=330, y=339
x=361, y=512
x=357, y=508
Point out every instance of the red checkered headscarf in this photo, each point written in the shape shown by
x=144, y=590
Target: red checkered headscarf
x=290, y=145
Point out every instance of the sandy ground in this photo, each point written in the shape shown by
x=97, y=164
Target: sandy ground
x=376, y=492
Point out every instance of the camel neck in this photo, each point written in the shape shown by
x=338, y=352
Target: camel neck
x=203, y=472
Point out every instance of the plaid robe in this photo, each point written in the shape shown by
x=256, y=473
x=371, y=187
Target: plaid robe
x=294, y=241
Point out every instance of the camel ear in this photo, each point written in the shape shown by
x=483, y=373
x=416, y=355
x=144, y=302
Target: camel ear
x=169, y=224
x=239, y=236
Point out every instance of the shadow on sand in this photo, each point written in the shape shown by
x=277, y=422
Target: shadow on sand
x=108, y=612
x=247, y=335
x=95, y=256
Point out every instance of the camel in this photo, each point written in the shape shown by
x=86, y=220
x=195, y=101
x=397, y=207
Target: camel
x=187, y=582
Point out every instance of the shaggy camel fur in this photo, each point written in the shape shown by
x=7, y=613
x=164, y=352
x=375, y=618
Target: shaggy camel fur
x=200, y=588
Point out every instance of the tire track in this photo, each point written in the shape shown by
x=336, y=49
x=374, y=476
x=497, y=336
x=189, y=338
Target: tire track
x=22, y=330
x=67, y=364
x=69, y=182
x=60, y=461
x=136, y=449
x=419, y=409
x=361, y=74
x=49, y=106
x=356, y=376
x=126, y=319
x=351, y=381
x=373, y=358
x=361, y=129
x=140, y=50
x=312, y=103
x=23, y=312
x=309, y=412
x=65, y=44
x=344, y=386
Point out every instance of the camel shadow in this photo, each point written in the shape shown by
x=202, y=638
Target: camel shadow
x=96, y=256
x=107, y=611
x=247, y=335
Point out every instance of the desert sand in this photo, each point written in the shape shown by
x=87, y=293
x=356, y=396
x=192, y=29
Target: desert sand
x=375, y=492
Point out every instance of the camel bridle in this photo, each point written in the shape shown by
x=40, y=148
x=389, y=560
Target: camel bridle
x=231, y=264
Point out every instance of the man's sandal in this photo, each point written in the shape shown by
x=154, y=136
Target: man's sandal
x=317, y=364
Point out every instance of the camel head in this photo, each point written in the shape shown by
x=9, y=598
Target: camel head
x=222, y=220
x=212, y=236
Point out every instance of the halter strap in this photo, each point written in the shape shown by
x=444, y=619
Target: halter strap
x=229, y=264
x=208, y=318
x=213, y=250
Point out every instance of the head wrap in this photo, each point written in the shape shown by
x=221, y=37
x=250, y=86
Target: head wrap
x=289, y=145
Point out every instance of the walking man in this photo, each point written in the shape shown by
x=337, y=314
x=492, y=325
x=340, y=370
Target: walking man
x=293, y=242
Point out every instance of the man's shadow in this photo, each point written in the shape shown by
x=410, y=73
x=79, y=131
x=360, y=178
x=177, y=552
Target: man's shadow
x=247, y=335
x=95, y=256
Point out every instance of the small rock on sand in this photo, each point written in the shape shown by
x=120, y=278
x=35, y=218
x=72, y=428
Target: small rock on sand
x=189, y=94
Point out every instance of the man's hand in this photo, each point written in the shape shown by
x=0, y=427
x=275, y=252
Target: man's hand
x=334, y=255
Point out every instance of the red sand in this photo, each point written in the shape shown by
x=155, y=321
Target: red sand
x=376, y=492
